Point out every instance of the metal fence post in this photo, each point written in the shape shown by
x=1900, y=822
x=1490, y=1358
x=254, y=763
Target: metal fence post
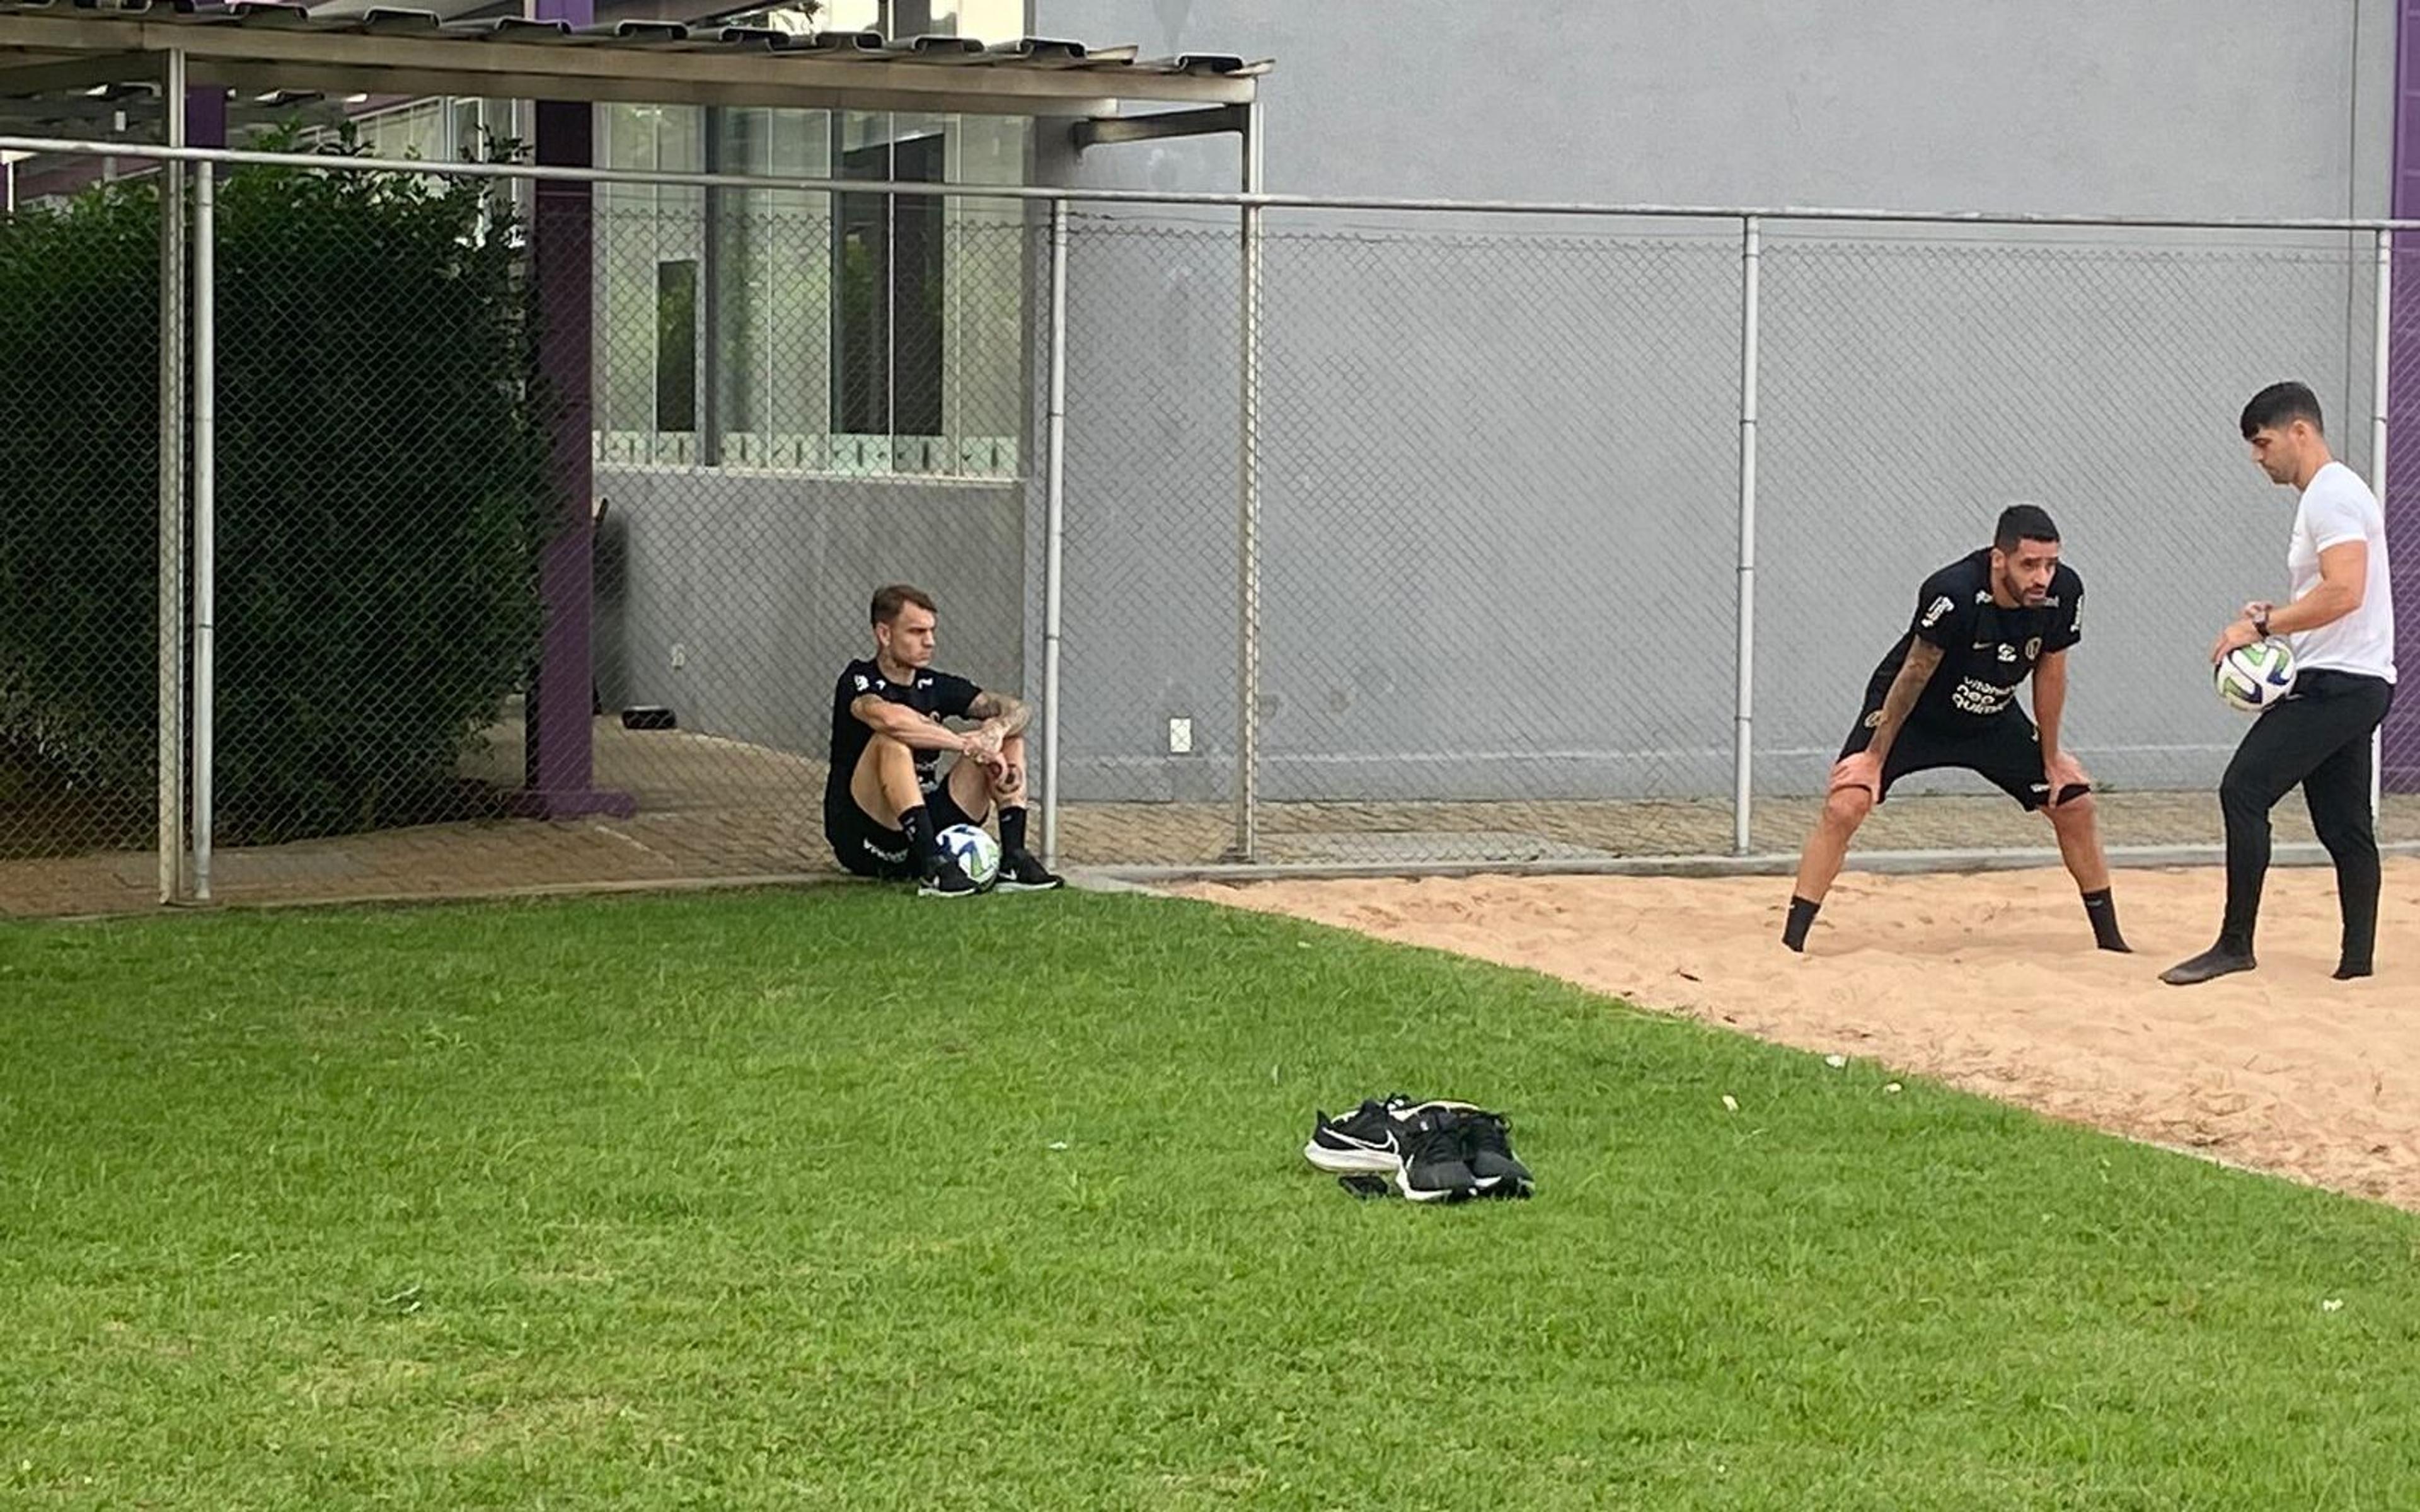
x=2381, y=341
x=1053, y=578
x=206, y=462
x=1247, y=527
x=173, y=354
x=1744, y=731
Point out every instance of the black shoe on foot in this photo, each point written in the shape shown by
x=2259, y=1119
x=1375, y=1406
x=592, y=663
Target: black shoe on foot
x=1362, y=1140
x=1022, y=872
x=2218, y=961
x=1487, y=1149
x=1429, y=1163
x=945, y=878
x=2349, y=970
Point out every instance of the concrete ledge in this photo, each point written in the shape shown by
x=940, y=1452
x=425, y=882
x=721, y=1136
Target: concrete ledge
x=568, y=803
x=1763, y=864
x=547, y=889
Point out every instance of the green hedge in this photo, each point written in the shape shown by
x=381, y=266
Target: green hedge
x=381, y=491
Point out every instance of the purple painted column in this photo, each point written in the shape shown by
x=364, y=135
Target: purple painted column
x=2400, y=762
x=205, y=116
x=559, y=750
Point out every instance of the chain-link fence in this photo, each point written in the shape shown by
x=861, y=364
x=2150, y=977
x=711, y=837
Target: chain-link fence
x=534, y=525
x=80, y=393
x=1915, y=380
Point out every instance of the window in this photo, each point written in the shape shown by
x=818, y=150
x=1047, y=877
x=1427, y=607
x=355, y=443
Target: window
x=802, y=331
x=890, y=275
x=435, y=130
x=677, y=346
x=793, y=330
x=416, y=131
x=647, y=373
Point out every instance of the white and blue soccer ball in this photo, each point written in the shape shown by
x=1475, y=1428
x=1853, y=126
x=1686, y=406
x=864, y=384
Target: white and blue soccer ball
x=2256, y=677
x=974, y=850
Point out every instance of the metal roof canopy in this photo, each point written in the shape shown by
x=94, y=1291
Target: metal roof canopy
x=55, y=55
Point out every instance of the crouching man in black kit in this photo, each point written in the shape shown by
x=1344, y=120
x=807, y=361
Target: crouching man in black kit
x=1945, y=697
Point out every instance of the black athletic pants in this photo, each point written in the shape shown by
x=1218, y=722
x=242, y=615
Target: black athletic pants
x=2319, y=737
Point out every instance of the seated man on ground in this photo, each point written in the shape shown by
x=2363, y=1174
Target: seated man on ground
x=886, y=800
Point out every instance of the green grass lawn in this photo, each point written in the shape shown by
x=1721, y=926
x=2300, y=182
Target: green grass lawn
x=846, y=1198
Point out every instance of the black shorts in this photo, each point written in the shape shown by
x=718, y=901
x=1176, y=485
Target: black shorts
x=2004, y=750
x=869, y=848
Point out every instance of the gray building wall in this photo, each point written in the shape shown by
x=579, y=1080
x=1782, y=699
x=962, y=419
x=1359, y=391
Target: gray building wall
x=762, y=580
x=1498, y=458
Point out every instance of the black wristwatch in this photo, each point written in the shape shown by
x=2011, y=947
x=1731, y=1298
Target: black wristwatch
x=2260, y=623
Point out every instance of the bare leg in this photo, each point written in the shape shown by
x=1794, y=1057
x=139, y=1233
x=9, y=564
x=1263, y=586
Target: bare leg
x=978, y=789
x=2078, y=826
x=884, y=783
x=1819, y=863
x=970, y=787
x=1827, y=848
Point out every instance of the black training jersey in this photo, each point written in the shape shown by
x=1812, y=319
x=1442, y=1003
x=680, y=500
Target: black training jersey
x=934, y=694
x=1986, y=651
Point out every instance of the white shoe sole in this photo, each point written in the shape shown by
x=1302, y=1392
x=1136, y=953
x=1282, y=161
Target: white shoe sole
x=1329, y=1158
x=1028, y=887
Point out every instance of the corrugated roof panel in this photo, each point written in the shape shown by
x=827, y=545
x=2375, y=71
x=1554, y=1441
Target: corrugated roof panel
x=308, y=48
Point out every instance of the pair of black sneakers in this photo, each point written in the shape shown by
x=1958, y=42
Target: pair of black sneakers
x=1435, y=1151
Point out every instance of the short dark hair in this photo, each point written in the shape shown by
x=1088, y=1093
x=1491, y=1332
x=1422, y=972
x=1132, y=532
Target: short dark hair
x=2280, y=405
x=2019, y=523
x=889, y=601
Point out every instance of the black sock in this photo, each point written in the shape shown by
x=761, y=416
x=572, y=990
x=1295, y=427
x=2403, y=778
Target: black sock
x=2102, y=911
x=918, y=825
x=1802, y=918
x=1012, y=830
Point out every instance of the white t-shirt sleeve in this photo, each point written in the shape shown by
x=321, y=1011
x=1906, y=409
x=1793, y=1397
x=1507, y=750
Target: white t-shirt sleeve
x=2334, y=515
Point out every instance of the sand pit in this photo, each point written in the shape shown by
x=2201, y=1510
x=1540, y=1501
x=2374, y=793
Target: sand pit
x=1988, y=982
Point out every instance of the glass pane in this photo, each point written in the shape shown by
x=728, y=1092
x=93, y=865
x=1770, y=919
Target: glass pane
x=795, y=273
x=862, y=276
x=677, y=346
x=917, y=286
x=629, y=137
x=625, y=359
x=984, y=369
x=775, y=252
x=680, y=138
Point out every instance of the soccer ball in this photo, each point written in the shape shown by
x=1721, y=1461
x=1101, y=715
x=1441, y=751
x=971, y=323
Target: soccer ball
x=2255, y=677
x=974, y=850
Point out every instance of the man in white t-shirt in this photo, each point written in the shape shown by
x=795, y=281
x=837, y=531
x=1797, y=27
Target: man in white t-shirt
x=2341, y=622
